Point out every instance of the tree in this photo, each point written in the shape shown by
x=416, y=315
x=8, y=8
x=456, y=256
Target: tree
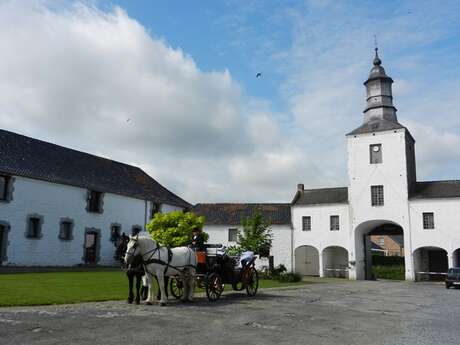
x=174, y=229
x=256, y=235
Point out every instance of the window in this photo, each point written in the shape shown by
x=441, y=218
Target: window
x=335, y=223
x=306, y=223
x=34, y=226
x=232, y=235
x=94, y=202
x=4, y=187
x=136, y=229
x=375, y=153
x=66, y=230
x=115, y=232
x=155, y=209
x=377, y=195
x=381, y=241
x=428, y=220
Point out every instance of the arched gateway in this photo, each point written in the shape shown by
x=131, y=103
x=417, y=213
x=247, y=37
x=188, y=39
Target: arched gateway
x=376, y=238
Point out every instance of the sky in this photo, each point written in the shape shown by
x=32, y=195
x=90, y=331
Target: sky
x=171, y=86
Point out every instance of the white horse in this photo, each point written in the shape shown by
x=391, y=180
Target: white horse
x=161, y=261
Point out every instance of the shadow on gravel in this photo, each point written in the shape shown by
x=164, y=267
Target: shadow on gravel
x=225, y=299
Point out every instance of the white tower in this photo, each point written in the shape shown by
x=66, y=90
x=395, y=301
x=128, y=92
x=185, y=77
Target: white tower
x=381, y=171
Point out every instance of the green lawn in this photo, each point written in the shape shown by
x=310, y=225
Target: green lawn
x=73, y=287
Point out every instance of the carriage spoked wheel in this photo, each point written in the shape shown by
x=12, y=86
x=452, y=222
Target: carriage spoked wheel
x=214, y=287
x=251, y=281
x=176, y=287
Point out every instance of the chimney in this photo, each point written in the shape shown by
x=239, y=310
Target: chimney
x=300, y=187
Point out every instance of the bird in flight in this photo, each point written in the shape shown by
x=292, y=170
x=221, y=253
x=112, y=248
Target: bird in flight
x=258, y=75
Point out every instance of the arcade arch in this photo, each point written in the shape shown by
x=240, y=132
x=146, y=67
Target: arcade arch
x=430, y=263
x=306, y=260
x=335, y=262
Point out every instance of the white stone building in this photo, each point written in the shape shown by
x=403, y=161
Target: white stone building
x=332, y=226
x=60, y=207
x=223, y=221
x=329, y=230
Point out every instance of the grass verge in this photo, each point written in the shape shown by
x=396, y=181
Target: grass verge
x=22, y=289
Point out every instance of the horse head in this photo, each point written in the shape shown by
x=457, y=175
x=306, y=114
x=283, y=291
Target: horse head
x=121, y=246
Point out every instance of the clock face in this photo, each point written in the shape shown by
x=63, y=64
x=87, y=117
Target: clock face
x=376, y=148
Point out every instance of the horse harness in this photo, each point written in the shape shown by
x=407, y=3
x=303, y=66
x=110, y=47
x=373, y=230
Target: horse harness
x=166, y=264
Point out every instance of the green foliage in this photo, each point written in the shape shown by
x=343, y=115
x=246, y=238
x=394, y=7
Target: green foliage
x=289, y=277
x=174, y=229
x=256, y=235
x=234, y=250
x=389, y=272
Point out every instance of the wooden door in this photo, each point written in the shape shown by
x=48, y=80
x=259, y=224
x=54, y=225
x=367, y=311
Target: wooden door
x=91, y=239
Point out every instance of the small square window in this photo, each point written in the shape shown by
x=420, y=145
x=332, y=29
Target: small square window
x=428, y=220
x=115, y=232
x=381, y=241
x=377, y=195
x=335, y=223
x=66, y=230
x=375, y=152
x=306, y=223
x=232, y=235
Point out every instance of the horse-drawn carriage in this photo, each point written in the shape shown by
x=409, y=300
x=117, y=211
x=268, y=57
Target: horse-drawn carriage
x=214, y=270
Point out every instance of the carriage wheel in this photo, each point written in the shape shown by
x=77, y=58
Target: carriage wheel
x=214, y=287
x=176, y=287
x=252, y=282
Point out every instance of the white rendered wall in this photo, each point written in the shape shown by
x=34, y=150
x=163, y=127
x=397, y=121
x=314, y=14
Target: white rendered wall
x=281, y=244
x=446, y=232
x=320, y=236
x=392, y=174
x=53, y=202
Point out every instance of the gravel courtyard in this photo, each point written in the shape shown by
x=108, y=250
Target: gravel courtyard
x=324, y=313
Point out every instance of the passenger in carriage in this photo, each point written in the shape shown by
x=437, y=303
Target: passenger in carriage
x=246, y=257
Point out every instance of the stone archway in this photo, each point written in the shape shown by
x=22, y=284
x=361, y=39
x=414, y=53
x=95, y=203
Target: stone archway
x=365, y=246
x=430, y=263
x=307, y=260
x=335, y=262
x=456, y=258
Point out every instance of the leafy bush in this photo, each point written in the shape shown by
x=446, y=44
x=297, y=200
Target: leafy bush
x=289, y=277
x=174, y=229
x=234, y=250
x=389, y=272
x=256, y=235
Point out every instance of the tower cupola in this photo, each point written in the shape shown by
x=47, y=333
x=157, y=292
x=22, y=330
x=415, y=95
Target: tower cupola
x=379, y=94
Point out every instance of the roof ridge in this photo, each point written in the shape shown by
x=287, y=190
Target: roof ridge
x=326, y=188
x=437, y=181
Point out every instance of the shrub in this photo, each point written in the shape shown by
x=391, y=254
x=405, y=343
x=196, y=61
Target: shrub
x=174, y=229
x=289, y=277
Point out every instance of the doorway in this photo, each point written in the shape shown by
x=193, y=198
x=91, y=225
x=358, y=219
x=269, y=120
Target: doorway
x=91, y=246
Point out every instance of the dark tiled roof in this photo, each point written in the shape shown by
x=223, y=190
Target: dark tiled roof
x=436, y=189
x=376, y=125
x=337, y=195
x=36, y=159
x=233, y=214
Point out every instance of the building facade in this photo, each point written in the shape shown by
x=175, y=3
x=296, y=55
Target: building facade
x=333, y=227
x=61, y=207
x=223, y=222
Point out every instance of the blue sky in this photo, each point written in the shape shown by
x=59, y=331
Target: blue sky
x=184, y=73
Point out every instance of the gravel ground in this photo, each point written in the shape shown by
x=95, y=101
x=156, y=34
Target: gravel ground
x=345, y=312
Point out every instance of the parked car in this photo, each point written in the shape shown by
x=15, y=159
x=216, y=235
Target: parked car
x=453, y=277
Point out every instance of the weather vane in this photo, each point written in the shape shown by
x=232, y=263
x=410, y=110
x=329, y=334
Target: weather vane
x=375, y=42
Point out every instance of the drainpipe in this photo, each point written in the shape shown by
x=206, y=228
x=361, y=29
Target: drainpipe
x=145, y=214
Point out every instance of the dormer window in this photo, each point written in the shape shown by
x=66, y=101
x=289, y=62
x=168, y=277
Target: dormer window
x=375, y=152
x=94, y=202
